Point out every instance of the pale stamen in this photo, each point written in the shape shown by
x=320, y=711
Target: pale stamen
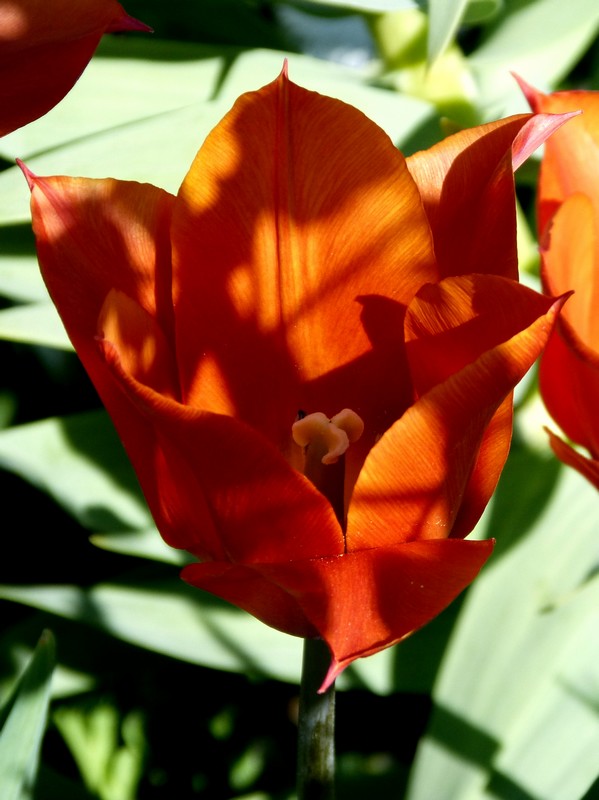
x=332, y=436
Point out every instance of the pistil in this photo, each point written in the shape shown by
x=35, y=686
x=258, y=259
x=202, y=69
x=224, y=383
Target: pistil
x=325, y=442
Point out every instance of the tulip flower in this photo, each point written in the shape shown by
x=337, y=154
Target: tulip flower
x=44, y=47
x=568, y=219
x=308, y=354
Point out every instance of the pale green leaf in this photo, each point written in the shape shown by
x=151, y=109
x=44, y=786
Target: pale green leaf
x=20, y=277
x=141, y=544
x=24, y=722
x=172, y=618
x=127, y=81
x=369, y=6
x=517, y=697
x=79, y=461
x=444, y=19
x=541, y=41
x=34, y=323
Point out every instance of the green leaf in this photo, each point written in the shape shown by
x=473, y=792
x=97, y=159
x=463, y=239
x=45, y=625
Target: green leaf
x=517, y=697
x=113, y=92
x=541, y=41
x=34, y=323
x=20, y=278
x=23, y=724
x=109, y=751
x=444, y=18
x=80, y=462
x=369, y=6
x=142, y=544
x=172, y=618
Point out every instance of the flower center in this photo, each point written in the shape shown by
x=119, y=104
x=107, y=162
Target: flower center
x=329, y=437
x=325, y=441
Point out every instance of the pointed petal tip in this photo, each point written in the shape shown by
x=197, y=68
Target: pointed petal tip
x=531, y=94
x=29, y=175
x=127, y=23
x=535, y=133
x=284, y=74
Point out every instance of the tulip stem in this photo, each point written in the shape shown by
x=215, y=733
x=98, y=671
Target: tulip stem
x=316, y=726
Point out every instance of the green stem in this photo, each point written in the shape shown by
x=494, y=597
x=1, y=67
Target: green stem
x=316, y=727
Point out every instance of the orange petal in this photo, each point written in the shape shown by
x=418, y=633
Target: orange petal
x=219, y=489
x=467, y=186
x=44, y=48
x=571, y=159
x=296, y=206
x=586, y=466
x=570, y=253
x=413, y=481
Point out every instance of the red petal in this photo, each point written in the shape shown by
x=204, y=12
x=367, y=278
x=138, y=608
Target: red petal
x=467, y=186
x=586, y=466
x=296, y=206
x=219, y=489
x=363, y=602
x=413, y=481
x=246, y=588
x=569, y=386
x=45, y=48
x=359, y=603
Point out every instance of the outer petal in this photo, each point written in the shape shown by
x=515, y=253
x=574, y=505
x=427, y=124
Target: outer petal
x=363, y=602
x=96, y=236
x=413, y=482
x=44, y=47
x=586, y=466
x=296, y=206
x=569, y=386
x=467, y=186
x=571, y=159
x=569, y=374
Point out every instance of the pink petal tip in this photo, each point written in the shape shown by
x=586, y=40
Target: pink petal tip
x=29, y=175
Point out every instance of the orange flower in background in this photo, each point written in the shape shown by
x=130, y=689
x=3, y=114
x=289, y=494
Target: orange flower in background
x=309, y=354
x=44, y=47
x=568, y=212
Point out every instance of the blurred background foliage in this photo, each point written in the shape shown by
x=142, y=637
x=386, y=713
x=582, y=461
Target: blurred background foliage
x=145, y=688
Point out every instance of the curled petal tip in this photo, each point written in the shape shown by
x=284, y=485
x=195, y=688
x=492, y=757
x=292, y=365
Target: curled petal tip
x=29, y=175
x=285, y=70
x=536, y=131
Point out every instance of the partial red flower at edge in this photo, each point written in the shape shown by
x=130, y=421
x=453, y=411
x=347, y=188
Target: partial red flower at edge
x=568, y=212
x=44, y=47
x=294, y=273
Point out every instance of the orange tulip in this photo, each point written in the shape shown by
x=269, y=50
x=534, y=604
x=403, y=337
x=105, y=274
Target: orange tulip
x=309, y=354
x=568, y=211
x=44, y=47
